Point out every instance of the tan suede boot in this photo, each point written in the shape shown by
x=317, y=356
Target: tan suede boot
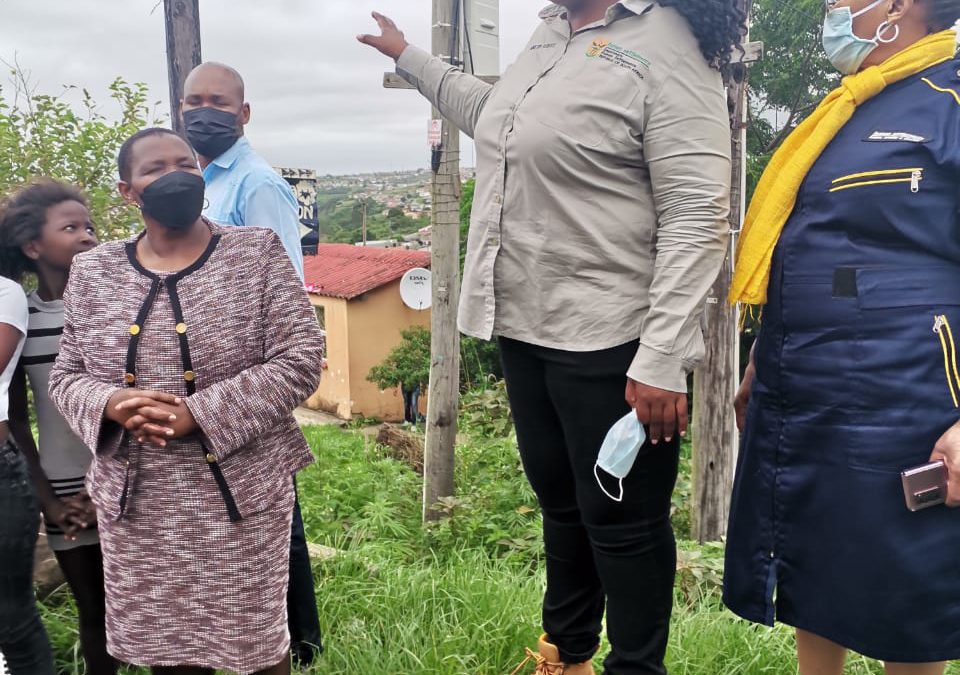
x=547, y=662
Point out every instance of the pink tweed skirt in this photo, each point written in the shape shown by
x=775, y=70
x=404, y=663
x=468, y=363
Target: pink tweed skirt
x=184, y=585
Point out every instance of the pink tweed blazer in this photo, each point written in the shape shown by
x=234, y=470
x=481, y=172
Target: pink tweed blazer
x=256, y=352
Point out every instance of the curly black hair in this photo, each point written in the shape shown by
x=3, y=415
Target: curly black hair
x=22, y=217
x=719, y=26
x=942, y=14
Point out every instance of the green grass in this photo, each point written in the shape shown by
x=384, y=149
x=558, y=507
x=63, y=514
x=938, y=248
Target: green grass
x=463, y=596
x=457, y=597
x=470, y=614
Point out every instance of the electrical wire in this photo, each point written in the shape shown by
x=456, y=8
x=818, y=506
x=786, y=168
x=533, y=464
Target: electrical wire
x=460, y=36
x=455, y=28
x=467, y=41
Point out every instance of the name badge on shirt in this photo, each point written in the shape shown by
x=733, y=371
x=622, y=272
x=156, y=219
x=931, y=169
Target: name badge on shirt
x=895, y=137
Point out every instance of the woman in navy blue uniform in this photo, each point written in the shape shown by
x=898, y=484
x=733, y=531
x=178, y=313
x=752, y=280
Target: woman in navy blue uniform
x=855, y=377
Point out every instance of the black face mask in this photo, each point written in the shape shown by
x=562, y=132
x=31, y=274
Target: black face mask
x=175, y=200
x=210, y=131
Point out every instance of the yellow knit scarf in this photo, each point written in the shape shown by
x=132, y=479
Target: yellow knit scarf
x=776, y=193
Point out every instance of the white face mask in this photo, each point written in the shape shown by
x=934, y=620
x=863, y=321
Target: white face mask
x=845, y=50
x=619, y=451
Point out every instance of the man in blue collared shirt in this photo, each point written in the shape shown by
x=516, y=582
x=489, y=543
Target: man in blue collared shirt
x=243, y=189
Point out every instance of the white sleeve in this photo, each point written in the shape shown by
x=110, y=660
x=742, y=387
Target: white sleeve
x=13, y=305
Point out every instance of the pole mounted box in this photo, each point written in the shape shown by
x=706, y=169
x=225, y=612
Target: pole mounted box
x=481, y=37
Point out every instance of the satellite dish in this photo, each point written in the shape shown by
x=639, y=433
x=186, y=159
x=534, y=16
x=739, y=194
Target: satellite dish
x=415, y=289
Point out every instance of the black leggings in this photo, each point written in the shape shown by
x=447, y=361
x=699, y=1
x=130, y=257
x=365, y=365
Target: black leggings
x=83, y=569
x=599, y=553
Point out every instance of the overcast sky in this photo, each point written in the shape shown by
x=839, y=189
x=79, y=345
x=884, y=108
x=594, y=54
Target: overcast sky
x=315, y=92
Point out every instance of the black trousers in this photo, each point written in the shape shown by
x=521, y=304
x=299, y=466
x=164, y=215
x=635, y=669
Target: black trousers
x=411, y=399
x=600, y=554
x=302, y=617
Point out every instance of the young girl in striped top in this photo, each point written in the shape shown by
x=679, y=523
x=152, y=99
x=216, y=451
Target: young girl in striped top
x=42, y=227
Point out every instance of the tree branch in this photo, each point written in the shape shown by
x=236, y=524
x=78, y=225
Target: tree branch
x=795, y=108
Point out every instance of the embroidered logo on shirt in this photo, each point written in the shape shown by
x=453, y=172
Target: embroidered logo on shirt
x=596, y=49
x=896, y=136
x=602, y=48
x=545, y=45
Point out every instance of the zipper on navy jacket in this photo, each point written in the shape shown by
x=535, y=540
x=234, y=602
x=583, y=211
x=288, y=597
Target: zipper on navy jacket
x=941, y=326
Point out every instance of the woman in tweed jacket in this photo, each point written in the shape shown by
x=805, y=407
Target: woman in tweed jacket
x=184, y=352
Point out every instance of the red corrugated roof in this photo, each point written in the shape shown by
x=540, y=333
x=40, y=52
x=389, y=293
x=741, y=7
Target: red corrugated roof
x=345, y=271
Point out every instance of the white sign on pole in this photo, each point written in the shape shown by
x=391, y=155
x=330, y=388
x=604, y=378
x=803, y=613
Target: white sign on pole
x=435, y=133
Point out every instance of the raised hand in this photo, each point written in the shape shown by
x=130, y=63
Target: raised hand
x=390, y=42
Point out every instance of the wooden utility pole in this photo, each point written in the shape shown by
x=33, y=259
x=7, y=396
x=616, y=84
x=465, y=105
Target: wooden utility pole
x=715, y=383
x=364, y=225
x=442, y=404
x=182, y=20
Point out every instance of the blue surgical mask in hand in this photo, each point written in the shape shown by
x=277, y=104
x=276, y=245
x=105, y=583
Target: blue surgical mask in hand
x=619, y=451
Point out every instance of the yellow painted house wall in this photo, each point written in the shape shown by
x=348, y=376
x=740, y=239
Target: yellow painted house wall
x=333, y=395
x=360, y=334
x=375, y=322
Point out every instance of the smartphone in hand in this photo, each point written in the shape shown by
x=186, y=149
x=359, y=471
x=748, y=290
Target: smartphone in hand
x=925, y=486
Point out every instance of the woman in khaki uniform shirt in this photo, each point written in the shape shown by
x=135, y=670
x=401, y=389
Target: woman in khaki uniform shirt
x=598, y=227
